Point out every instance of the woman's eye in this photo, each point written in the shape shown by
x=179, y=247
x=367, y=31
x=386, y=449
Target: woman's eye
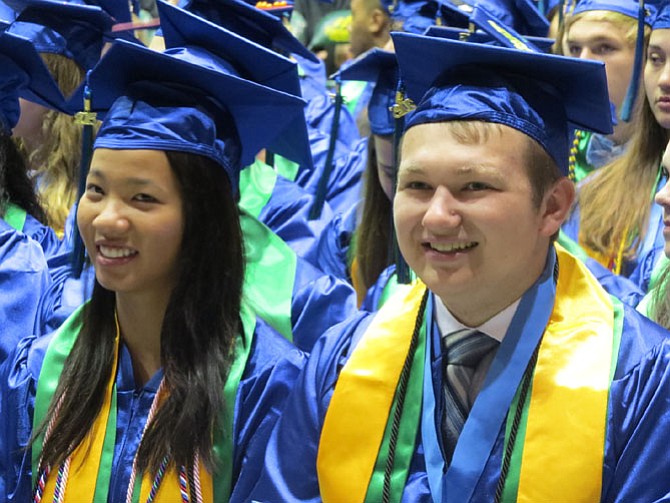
x=145, y=198
x=92, y=188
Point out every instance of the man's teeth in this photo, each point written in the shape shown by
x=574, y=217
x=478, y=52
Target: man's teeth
x=109, y=252
x=452, y=247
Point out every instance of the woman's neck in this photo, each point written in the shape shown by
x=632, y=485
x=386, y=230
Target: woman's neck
x=140, y=322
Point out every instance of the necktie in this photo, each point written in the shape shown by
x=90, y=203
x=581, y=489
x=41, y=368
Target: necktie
x=464, y=349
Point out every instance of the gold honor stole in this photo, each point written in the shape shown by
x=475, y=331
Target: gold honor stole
x=563, y=421
x=91, y=461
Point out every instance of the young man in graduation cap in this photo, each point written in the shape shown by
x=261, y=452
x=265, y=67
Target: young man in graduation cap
x=506, y=373
x=610, y=31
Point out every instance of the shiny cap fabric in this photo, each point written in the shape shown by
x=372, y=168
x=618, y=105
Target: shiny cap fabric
x=520, y=15
x=626, y=7
x=40, y=86
x=544, y=44
x=12, y=78
x=246, y=59
x=69, y=29
x=250, y=22
x=662, y=18
x=539, y=94
x=187, y=99
x=381, y=68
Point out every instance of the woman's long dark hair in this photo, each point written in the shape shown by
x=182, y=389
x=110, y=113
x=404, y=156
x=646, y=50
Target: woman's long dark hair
x=373, y=236
x=15, y=185
x=197, y=337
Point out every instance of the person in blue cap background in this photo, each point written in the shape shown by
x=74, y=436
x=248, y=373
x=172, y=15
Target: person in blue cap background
x=377, y=415
x=70, y=39
x=357, y=245
x=183, y=382
x=24, y=275
x=627, y=237
x=607, y=31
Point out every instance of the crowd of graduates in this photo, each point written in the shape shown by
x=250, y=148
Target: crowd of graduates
x=234, y=267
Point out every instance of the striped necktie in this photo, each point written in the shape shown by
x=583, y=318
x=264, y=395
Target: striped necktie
x=464, y=349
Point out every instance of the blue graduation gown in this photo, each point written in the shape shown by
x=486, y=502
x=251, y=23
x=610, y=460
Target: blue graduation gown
x=281, y=205
x=23, y=277
x=331, y=251
x=44, y=235
x=270, y=372
x=638, y=422
x=344, y=184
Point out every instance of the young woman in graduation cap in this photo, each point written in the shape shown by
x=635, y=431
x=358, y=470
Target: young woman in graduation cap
x=164, y=384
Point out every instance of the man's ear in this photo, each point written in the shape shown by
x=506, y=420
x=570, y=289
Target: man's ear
x=556, y=205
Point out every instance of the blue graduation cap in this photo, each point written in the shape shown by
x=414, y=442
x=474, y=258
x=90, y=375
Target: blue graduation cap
x=644, y=15
x=41, y=87
x=253, y=24
x=520, y=15
x=7, y=15
x=120, y=10
x=541, y=95
x=72, y=30
x=544, y=44
x=249, y=61
x=12, y=78
x=186, y=99
x=661, y=19
x=417, y=16
x=381, y=67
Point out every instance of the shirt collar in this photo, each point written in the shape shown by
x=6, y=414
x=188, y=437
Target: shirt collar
x=495, y=328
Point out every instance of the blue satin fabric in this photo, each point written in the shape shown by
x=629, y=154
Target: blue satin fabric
x=269, y=375
x=286, y=214
x=44, y=235
x=330, y=252
x=23, y=277
x=511, y=100
x=638, y=433
x=638, y=271
x=345, y=182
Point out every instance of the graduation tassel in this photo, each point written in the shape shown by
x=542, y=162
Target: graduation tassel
x=631, y=94
x=322, y=188
x=87, y=119
x=402, y=107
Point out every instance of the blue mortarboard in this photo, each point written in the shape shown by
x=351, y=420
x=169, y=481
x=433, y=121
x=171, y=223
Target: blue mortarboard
x=644, y=15
x=72, y=30
x=254, y=24
x=119, y=10
x=381, y=67
x=186, y=99
x=12, y=78
x=7, y=15
x=41, y=87
x=417, y=16
x=480, y=37
x=662, y=18
x=520, y=15
x=541, y=95
x=251, y=61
